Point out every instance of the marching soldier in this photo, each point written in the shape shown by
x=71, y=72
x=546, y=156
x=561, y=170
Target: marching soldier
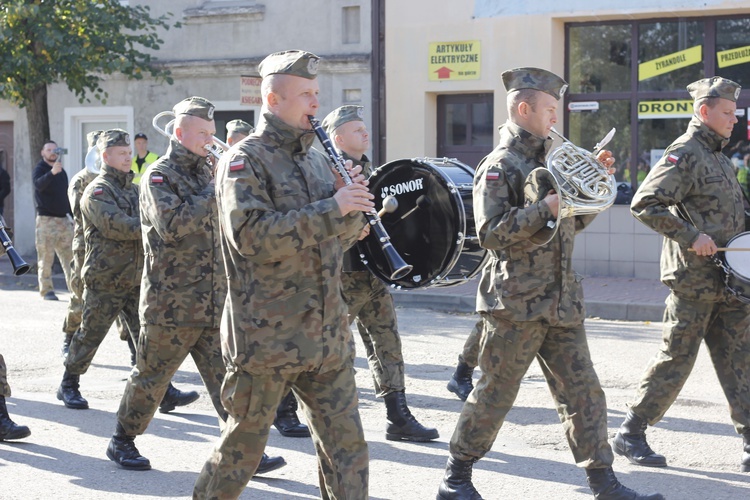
x=113, y=260
x=369, y=301
x=692, y=198
x=284, y=230
x=461, y=383
x=286, y=421
x=9, y=430
x=183, y=283
x=530, y=301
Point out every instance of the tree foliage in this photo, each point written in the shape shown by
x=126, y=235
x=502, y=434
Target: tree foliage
x=74, y=41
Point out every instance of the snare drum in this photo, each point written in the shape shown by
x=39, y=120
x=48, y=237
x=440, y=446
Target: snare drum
x=432, y=228
x=737, y=267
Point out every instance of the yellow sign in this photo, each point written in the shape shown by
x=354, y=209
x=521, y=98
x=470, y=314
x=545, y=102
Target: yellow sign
x=651, y=110
x=250, y=91
x=731, y=57
x=454, y=60
x=671, y=62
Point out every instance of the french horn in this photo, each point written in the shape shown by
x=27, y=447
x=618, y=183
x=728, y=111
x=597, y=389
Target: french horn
x=584, y=185
x=216, y=149
x=93, y=160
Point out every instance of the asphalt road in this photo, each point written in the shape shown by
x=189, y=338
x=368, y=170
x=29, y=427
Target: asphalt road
x=64, y=456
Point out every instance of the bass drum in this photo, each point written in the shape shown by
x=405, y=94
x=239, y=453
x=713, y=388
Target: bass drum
x=737, y=267
x=432, y=227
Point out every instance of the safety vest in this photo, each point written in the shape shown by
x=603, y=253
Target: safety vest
x=148, y=160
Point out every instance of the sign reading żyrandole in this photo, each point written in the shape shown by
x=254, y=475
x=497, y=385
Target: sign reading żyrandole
x=670, y=62
x=651, y=110
x=454, y=60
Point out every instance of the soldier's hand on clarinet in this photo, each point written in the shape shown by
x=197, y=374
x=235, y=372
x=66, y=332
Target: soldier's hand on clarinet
x=354, y=197
x=354, y=172
x=364, y=232
x=704, y=246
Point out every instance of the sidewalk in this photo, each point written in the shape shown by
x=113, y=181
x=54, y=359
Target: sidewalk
x=607, y=297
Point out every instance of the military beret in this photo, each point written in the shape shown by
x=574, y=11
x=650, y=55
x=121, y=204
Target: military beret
x=91, y=137
x=240, y=126
x=113, y=137
x=714, y=87
x=195, y=106
x=536, y=79
x=344, y=114
x=290, y=62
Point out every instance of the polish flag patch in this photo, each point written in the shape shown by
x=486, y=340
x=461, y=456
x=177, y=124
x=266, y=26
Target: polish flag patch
x=236, y=165
x=673, y=158
x=157, y=179
x=492, y=176
x=98, y=191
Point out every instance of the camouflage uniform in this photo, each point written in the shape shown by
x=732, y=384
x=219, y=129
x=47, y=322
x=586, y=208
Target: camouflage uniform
x=112, y=265
x=4, y=387
x=693, y=190
x=285, y=322
x=183, y=285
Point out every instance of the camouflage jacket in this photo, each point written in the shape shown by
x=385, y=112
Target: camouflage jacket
x=283, y=239
x=112, y=232
x=523, y=281
x=692, y=189
x=352, y=261
x=183, y=278
x=75, y=191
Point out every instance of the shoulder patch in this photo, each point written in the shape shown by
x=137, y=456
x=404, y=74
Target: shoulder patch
x=492, y=176
x=236, y=165
x=157, y=179
x=673, y=158
x=97, y=191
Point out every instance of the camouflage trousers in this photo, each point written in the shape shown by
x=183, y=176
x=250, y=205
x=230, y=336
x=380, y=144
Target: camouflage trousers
x=161, y=351
x=470, y=354
x=75, y=307
x=4, y=387
x=100, y=308
x=506, y=352
x=54, y=235
x=329, y=401
x=725, y=327
x=371, y=306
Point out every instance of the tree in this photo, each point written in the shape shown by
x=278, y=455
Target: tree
x=76, y=42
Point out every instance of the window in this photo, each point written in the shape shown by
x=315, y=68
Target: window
x=465, y=129
x=350, y=32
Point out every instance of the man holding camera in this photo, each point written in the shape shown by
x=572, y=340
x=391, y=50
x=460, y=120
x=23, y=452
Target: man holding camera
x=54, y=223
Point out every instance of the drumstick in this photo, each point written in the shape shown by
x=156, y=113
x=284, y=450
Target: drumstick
x=390, y=205
x=726, y=249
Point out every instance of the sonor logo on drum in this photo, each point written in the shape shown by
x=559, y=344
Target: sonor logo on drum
x=402, y=187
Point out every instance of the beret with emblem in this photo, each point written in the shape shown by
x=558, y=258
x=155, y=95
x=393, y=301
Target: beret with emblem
x=195, y=106
x=113, y=137
x=344, y=114
x=240, y=126
x=91, y=137
x=290, y=62
x=536, y=79
x=714, y=87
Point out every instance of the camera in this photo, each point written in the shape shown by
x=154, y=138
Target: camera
x=60, y=151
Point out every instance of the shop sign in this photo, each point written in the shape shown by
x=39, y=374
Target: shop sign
x=732, y=57
x=670, y=62
x=575, y=107
x=454, y=60
x=651, y=110
x=250, y=91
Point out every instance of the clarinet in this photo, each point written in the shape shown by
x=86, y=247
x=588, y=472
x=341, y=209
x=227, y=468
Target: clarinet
x=399, y=268
x=19, y=265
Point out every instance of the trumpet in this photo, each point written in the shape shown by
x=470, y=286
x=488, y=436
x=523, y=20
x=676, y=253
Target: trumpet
x=19, y=265
x=399, y=268
x=216, y=149
x=93, y=160
x=584, y=186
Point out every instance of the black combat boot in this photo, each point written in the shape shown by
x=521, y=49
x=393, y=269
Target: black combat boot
x=267, y=464
x=456, y=483
x=132, y=349
x=69, y=394
x=286, y=420
x=746, y=452
x=630, y=442
x=460, y=383
x=122, y=451
x=9, y=429
x=605, y=486
x=66, y=344
x=402, y=426
x=175, y=397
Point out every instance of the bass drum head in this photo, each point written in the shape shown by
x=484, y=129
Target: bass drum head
x=738, y=264
x=427, y=228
